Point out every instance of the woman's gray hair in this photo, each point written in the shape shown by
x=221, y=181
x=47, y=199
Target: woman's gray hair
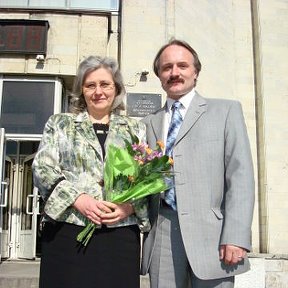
x=87, y=66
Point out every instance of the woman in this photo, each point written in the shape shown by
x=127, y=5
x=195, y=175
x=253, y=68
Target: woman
x=68, y=170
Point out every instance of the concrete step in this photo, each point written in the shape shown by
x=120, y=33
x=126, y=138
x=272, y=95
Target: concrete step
x=22, y=274
x=25, y=274
x=266, y=271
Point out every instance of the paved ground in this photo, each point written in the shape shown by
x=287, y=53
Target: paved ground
x=267, y=271
x=24, y=274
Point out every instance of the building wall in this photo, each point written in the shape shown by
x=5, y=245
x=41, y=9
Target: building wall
x=221, y=34
x=71, y=37
x=238, y=58
x=241, y=60
x=274, y=87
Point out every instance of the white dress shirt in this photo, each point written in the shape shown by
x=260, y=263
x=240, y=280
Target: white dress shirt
x=185, y=101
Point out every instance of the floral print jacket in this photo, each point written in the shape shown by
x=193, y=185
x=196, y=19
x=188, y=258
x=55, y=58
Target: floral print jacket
x=69, y=162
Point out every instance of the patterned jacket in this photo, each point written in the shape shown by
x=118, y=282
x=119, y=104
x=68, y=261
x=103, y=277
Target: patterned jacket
x=69, y=162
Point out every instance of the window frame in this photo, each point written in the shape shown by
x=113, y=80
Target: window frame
x=58, y=87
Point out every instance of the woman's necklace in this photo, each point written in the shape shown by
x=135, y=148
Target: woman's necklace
x=101, y=128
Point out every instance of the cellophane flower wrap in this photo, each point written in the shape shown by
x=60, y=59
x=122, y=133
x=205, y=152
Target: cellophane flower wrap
x=131, y=173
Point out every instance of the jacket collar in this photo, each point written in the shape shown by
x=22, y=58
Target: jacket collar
x=197, y=107
x=157, y=122
x=84, y=126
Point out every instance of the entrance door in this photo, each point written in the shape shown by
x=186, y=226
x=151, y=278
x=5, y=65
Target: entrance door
x=6, y=208
x=3, y=186
x=29, y=210
x=21, y=214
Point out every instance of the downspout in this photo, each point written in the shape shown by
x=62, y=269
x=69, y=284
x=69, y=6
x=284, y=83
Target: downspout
x=169, y=19
x=260, y=129
x=119, y=53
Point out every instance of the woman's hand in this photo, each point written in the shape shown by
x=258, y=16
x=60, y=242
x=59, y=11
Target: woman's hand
x=91, y=208
x=119, y=212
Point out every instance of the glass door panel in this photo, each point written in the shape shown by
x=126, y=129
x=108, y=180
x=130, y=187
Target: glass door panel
x=6, y=209
x=29, y=212
x=3, y=186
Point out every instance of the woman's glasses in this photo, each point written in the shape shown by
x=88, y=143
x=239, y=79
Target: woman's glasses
x=104, y=86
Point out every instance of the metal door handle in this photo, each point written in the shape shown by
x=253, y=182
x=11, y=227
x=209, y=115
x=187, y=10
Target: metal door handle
x=5, y=194
x=27, y=205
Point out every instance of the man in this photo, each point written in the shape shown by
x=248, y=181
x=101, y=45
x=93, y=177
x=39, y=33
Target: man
x=202, y=238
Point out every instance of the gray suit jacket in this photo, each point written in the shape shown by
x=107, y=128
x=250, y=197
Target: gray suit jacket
x=214, y=185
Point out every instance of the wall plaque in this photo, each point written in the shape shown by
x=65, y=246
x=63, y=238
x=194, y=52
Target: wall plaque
x=141, y=104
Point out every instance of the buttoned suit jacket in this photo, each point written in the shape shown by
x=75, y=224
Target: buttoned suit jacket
x=214, y=185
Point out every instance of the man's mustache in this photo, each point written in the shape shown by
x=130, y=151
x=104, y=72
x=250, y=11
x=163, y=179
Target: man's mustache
x=172, y=80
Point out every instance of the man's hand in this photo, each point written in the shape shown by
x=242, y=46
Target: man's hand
x=231, y=254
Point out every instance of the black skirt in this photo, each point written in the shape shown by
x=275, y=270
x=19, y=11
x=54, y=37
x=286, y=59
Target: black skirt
x=111, y=259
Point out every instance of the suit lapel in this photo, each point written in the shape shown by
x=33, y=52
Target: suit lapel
x=85, y=128
x=197, y=107
x=157, y=123
x=116, y=122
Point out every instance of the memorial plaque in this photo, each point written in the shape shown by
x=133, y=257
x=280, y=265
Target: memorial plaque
x=141, y=104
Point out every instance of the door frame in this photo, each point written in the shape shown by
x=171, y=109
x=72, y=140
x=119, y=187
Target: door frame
x=16, y=234
x=3, y=184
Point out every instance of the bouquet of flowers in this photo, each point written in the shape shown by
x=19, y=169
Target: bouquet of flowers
x=131, y=173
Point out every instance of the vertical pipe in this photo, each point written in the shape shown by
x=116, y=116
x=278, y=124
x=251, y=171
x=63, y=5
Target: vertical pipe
x=119, y=32
x=260, y=128
x=169, y=19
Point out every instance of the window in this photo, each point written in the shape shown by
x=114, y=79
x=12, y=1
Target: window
x=103, y=5
x=27, y=105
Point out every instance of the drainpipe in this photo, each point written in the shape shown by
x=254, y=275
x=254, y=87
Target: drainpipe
x=260, y=128
x=119, y=33
x=169, y=19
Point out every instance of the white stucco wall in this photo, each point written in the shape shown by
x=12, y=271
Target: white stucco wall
x=220, y=32
x=274, y=46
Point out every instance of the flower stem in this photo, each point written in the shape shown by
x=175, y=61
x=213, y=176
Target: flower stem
x=85, y=235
